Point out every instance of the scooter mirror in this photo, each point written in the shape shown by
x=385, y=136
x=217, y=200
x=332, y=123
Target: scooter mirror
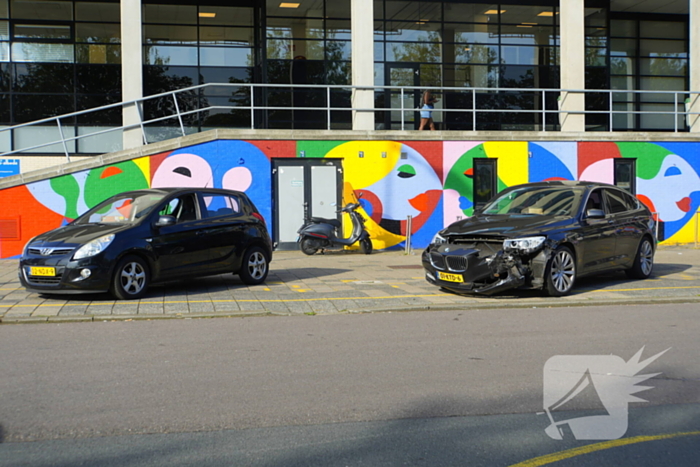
x=334, y=204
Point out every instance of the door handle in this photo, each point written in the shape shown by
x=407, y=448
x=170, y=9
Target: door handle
x=199, y=233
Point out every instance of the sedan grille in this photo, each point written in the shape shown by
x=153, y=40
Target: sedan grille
x=39, y=280
x=49, y=251
x=456, y=263
x=437, y=260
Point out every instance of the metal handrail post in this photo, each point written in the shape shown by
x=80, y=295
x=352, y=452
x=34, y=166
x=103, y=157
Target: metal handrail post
x=402, y=111
x=675, y=112
x=140, y=112
x=544, y=111
x=473, y=109
x=328, y=111
x=179, y=116
x=252, y=106
x=63, y=139
x=610, y=109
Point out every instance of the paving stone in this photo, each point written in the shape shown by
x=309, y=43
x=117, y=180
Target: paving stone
x=74, y=310
x=128, y=308
x=150, y=308
x=46, y=311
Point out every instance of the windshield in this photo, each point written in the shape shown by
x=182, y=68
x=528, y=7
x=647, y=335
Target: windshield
x=537, y=201
x=124, y=209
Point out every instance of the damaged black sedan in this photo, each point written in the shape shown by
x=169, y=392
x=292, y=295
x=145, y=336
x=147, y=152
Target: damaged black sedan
x=543, y=236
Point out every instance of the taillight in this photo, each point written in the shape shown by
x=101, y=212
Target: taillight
x=258, y=216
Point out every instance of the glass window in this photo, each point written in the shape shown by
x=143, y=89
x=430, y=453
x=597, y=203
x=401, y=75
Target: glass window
x=527, y=35
x=301, y=28
x=220, y=74
x=30, y=107
x=623, y=47
x=4, y=31
x=32, y=52
x=407, y=31
x=304, y=10
x=623, y=28
x=225, y=16
x=169, y=34
x=226, y=36
x=663, y=29
x=596, y=56
x=472, y=33
x=621, y=66
x=42, y=31
x=615, y=201
x=662, y=48
x=663, y=66
x=228, y=56
x=170, y=14
x=474, y=53
x=412, y=11
x=97, y=32
x=98, y=53
x=338, y=50
x=4, y=51
x=596, y=17
x=338, y=29
x=414, y=52
x=42, y=10
x=166, y=55
x=103, y=80
x=662, y=84
x=221, y=205
x=472, y=13
x=4, y=13
x=485, y=180
x=625, y=178
x=511, y=55
x=102, y=12
x=43, y=78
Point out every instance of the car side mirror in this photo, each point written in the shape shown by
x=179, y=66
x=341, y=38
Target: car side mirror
x=165, y=221
x=595, y=214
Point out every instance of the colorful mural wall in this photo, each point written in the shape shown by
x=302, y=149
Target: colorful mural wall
x=430, y=181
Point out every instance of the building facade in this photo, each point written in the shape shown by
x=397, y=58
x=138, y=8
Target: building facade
x=58, y=57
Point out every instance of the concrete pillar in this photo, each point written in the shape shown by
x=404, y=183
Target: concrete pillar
x=694, y=28
x=362, y=25
x=132, y=69
x=572, y=57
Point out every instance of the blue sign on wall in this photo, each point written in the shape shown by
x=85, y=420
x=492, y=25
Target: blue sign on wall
x=9, y=167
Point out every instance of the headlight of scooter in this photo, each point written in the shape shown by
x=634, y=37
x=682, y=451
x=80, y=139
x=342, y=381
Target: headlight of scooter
x=525, y=244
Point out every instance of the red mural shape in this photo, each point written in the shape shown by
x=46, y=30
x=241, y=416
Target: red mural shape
x=590, y=153
x=24, y=218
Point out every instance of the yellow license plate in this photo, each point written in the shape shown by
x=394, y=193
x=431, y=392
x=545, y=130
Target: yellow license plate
x=36, y=271
x=450, y=277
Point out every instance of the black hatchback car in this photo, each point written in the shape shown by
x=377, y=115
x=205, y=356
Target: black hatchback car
x=136, y=238
x=543, y=236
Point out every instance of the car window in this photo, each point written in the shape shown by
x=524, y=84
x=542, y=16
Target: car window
x=183, y=208
x=548, y=201
x=595, y=201
x=221, y=205
x=123, y=209
x=616, y=201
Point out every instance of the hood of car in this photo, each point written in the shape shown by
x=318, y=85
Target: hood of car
x=77, y=234
x=507, y=226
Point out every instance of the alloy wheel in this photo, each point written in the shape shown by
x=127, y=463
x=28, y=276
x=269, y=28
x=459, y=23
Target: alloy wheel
x=257, y=265
x=563, y=271
x=646, y=257
x=133, y=278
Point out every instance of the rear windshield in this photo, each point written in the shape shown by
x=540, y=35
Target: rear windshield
x=537, y=201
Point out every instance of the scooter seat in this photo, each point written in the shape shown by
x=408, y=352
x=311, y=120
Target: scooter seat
x=321, y=220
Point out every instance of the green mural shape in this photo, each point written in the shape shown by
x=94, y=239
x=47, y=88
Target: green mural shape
x=652, y=155
x=103, y=182
x=317, y=149
x=68, y=188
x=457, y=178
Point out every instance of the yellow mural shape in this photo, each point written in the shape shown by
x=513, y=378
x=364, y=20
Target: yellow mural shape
x=380, y=237
x=513, y=165
x=144, y=164
x=378, y=158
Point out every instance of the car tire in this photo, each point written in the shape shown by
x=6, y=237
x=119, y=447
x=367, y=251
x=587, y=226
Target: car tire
x=643, y=261
x=366, y=246
x=308, y=246
x=131, y=278
x=560, y=274
x=254, y=267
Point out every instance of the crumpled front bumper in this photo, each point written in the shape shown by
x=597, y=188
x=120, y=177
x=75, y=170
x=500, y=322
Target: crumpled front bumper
x=469, y=270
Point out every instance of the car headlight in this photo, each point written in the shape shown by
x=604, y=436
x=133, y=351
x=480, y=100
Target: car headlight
x=94, y=247
x=438, y=239
x=524, y=245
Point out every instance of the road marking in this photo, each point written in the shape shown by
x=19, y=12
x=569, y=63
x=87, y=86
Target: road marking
x=569, y=453
x=642, y=288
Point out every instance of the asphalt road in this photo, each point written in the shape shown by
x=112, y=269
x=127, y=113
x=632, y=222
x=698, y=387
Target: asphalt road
x=416, y=388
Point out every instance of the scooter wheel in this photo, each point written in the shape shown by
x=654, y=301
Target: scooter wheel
x=309, y=246
x=366, y=246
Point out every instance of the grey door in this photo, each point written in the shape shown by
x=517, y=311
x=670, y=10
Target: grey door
x=301, y=186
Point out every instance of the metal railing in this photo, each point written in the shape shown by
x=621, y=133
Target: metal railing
x=257, y=106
